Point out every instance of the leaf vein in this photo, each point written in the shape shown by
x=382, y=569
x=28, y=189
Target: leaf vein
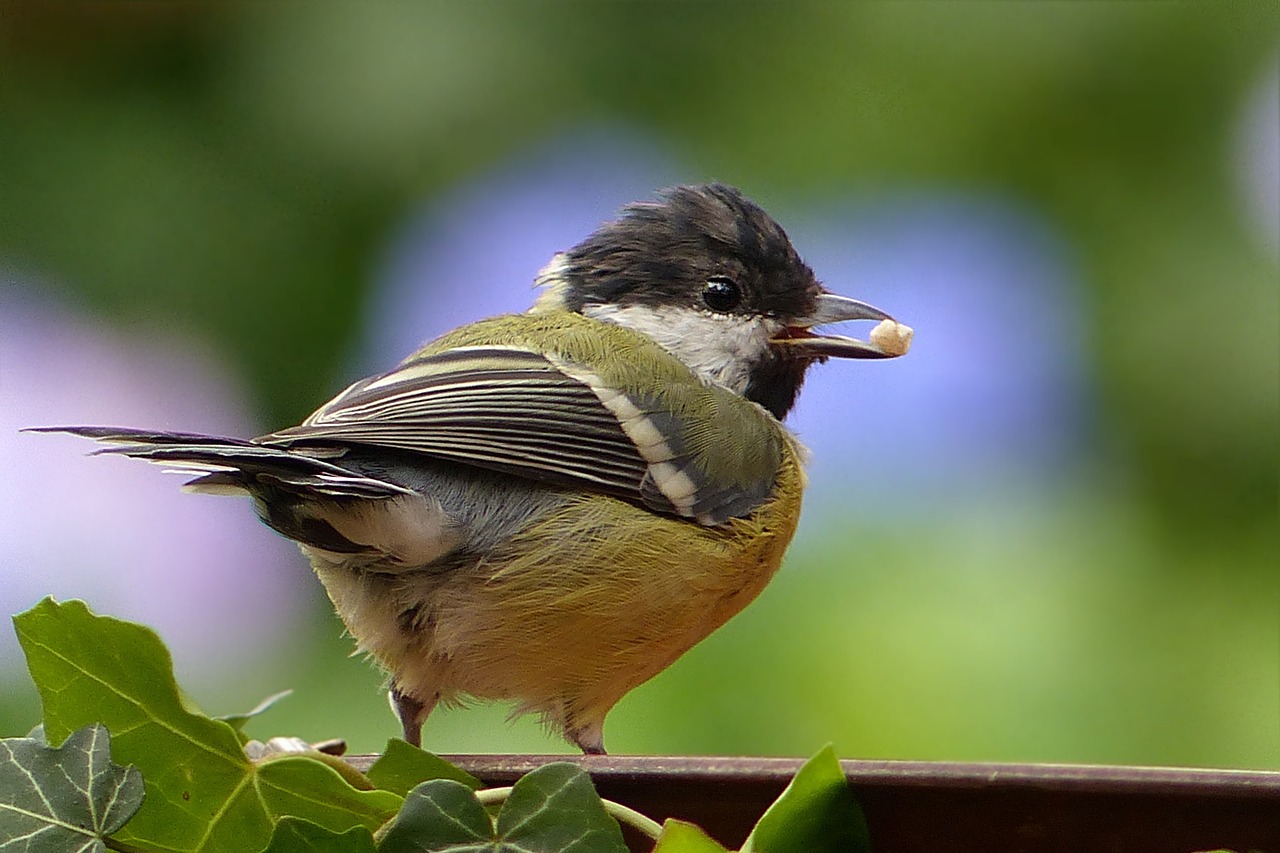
x=137, y=703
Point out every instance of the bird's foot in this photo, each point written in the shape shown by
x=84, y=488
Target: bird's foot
x=412, y=712
x=588, y=738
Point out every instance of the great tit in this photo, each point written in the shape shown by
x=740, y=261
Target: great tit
x=551, y=507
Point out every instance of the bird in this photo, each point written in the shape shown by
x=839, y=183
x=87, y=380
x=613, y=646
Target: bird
x=549, y=508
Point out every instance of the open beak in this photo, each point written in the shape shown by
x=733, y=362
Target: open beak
x=888, y=340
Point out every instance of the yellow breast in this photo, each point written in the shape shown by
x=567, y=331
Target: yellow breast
x=587, y=603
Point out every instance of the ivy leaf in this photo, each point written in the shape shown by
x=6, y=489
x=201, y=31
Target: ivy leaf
x=554, y=809
x=237, y=721
x=350, y=774
x=295, y=835
x=680, y=837
x=204, y=795
x=817, y=812
x=65, y=798
x=438, y=816
x=402, y=766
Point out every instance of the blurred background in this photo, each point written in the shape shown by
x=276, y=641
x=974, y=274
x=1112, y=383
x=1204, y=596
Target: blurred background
x=1050, y=533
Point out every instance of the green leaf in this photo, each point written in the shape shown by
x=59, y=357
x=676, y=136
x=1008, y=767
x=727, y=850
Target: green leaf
x=554, y=809
x=237, y=721
x=817, y=812
x=66, y=798
x=440, y=815
x=349, y=774
x=680, y=837
x=402, y=766
x=295, y=835
x=204, y=795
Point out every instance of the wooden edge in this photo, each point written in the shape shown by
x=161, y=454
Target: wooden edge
x=1080, y=778
x=945, y=807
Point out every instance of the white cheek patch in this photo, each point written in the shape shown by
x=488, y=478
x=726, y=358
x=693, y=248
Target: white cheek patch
x=719, y=348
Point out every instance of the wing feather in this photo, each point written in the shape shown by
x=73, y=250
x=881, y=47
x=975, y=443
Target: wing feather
x=495, y=407
x=549, y=418
x=494, y=401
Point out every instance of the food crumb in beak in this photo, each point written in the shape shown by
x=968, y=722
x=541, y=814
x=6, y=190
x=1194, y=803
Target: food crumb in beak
x=892, y=338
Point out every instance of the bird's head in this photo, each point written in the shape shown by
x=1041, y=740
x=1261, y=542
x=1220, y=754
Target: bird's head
x=714, y=279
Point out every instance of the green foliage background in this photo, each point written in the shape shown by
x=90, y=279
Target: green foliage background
x=177, y=162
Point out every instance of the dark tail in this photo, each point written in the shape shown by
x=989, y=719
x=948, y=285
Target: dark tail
x=236, y=466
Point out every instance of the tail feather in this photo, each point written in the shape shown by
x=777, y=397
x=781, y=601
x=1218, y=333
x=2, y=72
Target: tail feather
x=232, y=465
x=129, y=435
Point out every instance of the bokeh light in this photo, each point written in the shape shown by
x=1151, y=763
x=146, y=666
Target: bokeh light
x=204, y=573
x=1050, y=533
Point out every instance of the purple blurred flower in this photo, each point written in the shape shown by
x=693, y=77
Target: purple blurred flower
x=993, y=395
x=473, y=252
x=1257, y=156
x=214, y=582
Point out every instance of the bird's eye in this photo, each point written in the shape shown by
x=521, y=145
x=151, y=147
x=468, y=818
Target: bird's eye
x=721, y=294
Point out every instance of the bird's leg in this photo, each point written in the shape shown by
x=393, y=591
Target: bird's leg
x=412, y=712
x=588, y=737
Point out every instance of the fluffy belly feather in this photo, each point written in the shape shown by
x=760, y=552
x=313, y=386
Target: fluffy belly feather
x=590, y=601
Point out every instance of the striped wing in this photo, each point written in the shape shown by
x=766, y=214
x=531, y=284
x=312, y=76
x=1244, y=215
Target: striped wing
x=502, y=408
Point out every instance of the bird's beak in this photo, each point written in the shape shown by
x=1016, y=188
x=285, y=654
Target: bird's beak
x=888, y=340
